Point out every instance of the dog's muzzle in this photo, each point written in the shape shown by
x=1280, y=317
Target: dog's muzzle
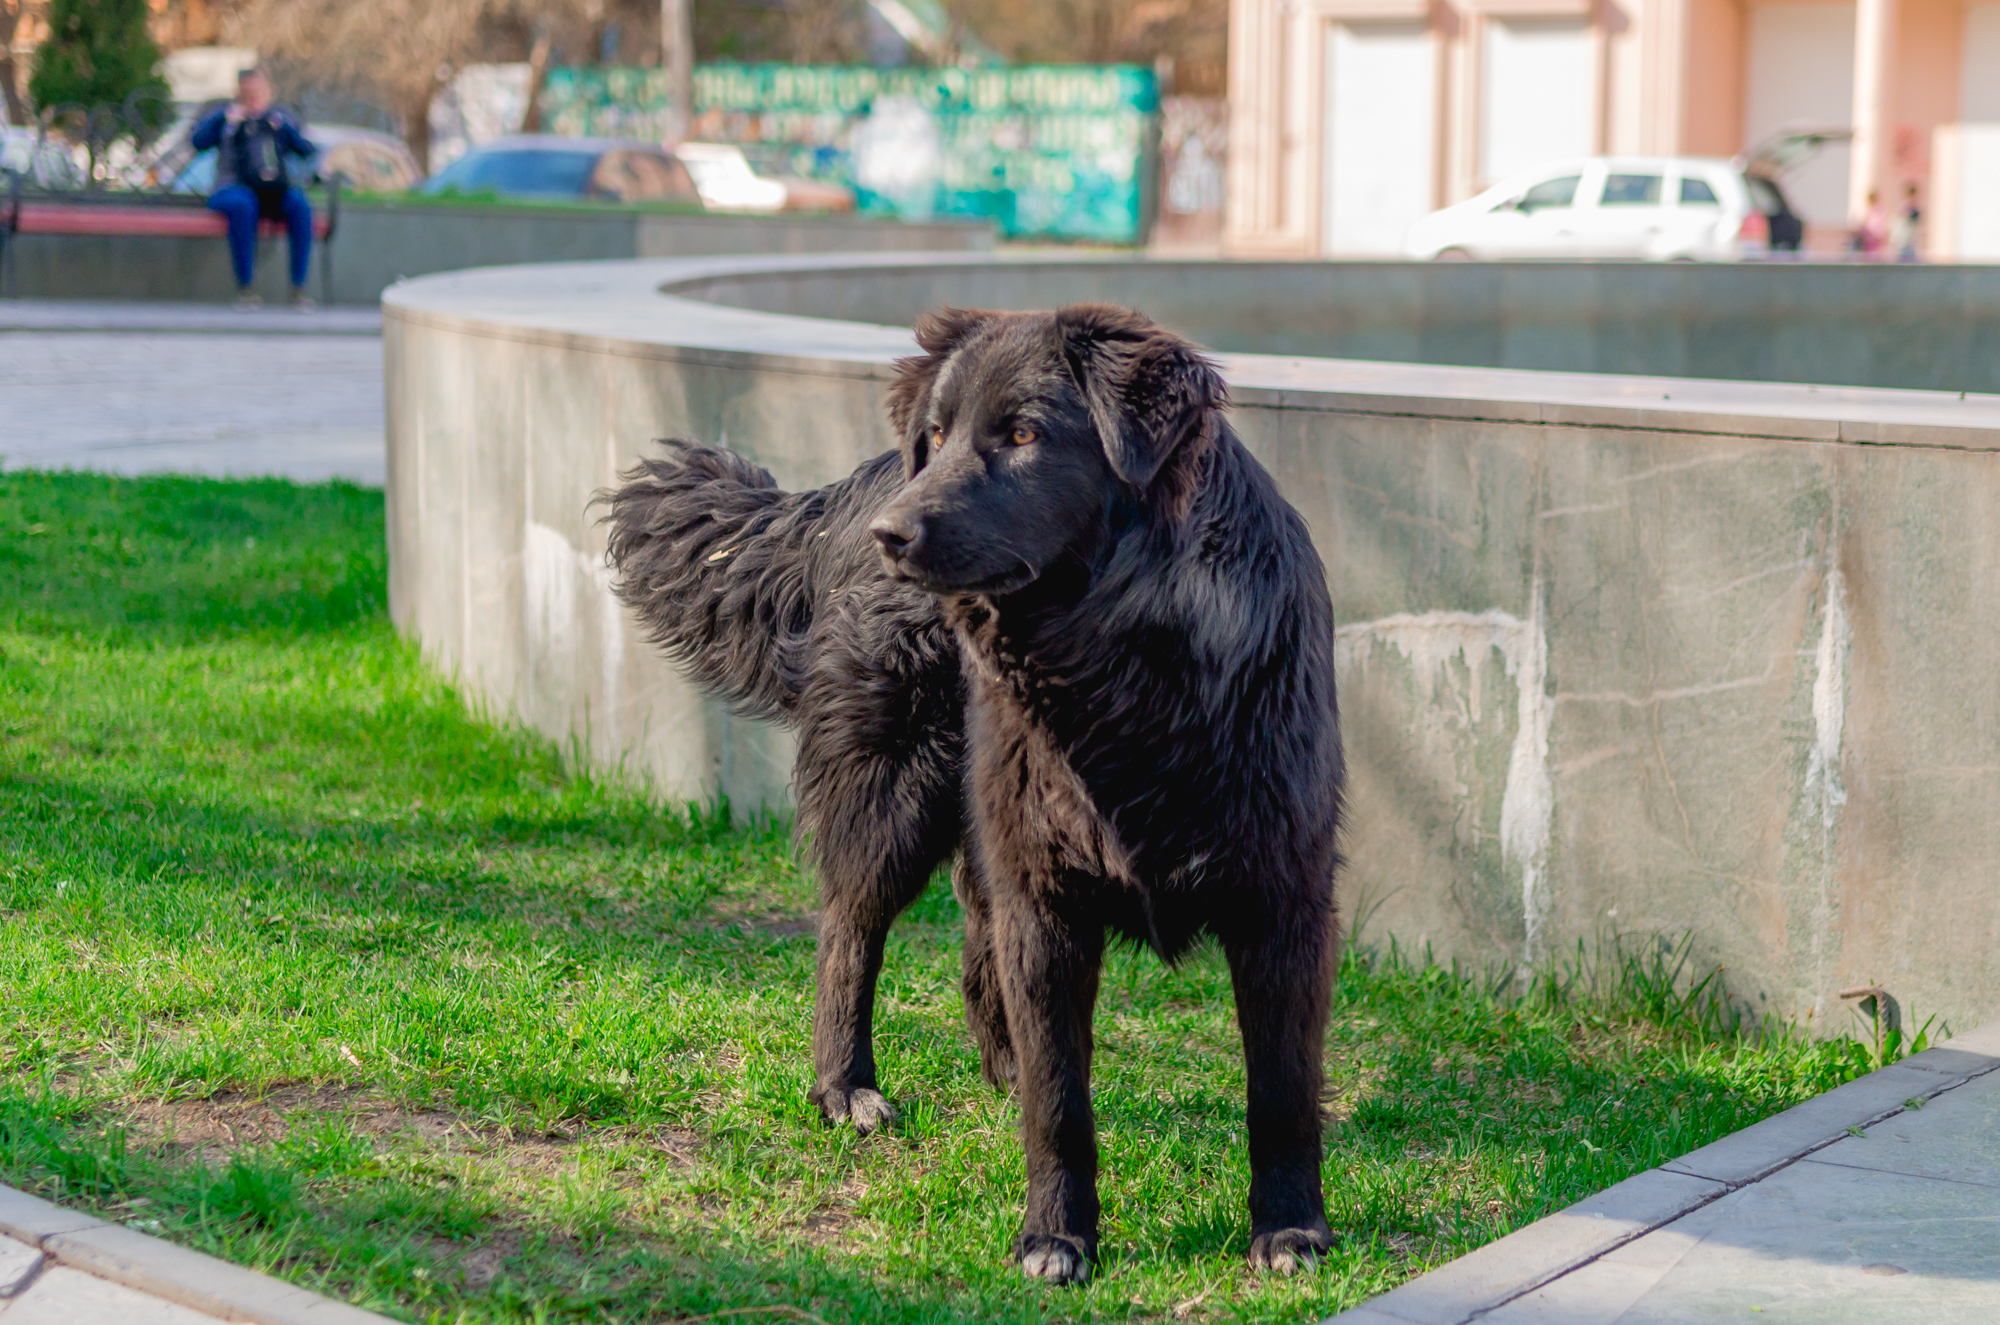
x=898, y=535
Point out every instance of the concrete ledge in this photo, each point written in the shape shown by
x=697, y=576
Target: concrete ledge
x=149, y=1265
x=30, y=1219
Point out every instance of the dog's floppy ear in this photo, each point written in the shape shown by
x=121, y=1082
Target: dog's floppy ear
x=1149, y=392
x=938, y=334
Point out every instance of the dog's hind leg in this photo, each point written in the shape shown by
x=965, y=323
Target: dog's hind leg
x=985, y=1010
x=1282, y=970
x=878, y=821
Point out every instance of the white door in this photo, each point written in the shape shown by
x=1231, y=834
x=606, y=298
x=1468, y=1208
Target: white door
x=1546, y=221
x=1537, y=86
x=1381, y=103
x=1631, y=215
x=1801, y=76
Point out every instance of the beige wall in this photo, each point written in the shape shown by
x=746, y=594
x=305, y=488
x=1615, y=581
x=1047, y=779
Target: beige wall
x=1670, y=77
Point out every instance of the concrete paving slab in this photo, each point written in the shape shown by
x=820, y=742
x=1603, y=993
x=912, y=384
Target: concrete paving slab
x=1546, y=1248
x=1824, y=1244
x=306, y=407
x=1955, y=1137
x=113, y=315
x=198, y=1281
x=1596, y=1294
x=19, y=1262
x=1749, y=1154
x=70, y=1297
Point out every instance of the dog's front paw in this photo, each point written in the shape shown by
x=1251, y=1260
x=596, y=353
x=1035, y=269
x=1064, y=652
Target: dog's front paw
x=866, y=1109
x=1289, y=1250
x=1051, y=1256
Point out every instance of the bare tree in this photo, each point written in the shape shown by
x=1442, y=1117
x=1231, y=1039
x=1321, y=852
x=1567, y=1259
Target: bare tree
x=402, y=51
x=1188, y=37
x=677, y=58
x=18, y=18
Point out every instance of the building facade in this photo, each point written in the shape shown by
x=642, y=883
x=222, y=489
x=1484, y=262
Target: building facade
x=1351, y=118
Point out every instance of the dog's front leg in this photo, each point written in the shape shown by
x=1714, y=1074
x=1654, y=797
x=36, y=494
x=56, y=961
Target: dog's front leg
x=985, y=1008
x=1049, y=965
x=1282, y=970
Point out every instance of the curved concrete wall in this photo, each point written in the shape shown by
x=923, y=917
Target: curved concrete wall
x=1858, y=324
x=1616, y=653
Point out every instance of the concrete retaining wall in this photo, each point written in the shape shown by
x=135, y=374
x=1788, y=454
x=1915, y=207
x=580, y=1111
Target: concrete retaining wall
x=1616, y=654
x=379, y=244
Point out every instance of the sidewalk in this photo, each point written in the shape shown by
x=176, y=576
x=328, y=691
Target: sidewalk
x=62, y=1267
x=1874, y=1204
x=137, y=388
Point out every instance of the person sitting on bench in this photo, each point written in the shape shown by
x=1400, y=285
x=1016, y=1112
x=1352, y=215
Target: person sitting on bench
x=254, y=138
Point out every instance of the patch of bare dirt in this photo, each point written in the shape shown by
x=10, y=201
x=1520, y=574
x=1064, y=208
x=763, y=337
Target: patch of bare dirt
x=743, y=916
x=829, y=1225
x=209, y=1130
x=473, y=1265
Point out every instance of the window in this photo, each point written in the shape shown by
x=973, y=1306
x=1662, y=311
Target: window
x=1631, y=191
x=1550, y=193
x=1697, y=192
x=530, y=172
x=631, y=176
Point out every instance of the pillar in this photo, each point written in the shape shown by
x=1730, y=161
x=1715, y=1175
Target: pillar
x=1874, y=65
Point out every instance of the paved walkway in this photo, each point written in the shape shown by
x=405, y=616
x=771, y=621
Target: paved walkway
x=1875, y=1204
x=191, y=388
x=62, y=1267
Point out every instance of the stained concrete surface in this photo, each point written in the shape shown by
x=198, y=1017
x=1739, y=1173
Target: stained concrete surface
x=135, y=389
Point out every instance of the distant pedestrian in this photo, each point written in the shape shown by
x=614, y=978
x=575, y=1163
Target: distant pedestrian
x=1872, y=235
x=253, y=138
x=1905, y=232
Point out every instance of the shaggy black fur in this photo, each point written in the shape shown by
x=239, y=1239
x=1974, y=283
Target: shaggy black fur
x=1077, y=631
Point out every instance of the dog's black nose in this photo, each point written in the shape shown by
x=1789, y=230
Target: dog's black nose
x=898, y=534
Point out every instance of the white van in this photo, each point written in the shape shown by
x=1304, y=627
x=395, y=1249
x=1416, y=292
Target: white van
x=1613, y=207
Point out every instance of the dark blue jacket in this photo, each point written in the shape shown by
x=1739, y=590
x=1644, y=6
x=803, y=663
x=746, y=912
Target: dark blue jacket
x=210, y=133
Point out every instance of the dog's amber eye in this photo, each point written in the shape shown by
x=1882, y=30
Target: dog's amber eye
x=937, y=437
x=1024, y=435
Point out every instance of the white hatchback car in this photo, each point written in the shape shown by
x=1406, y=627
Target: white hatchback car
x=1607, y=207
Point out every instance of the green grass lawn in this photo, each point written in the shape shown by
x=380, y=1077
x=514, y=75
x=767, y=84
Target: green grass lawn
x=309, y=966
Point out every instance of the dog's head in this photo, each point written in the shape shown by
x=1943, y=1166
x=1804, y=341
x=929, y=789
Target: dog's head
x=1021, y=432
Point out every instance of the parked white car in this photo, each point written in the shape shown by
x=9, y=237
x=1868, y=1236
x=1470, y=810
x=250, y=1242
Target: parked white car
x=728, y=184
x=1610, y=207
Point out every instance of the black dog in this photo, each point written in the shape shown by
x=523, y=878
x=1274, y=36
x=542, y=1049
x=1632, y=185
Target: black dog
x=1076, y=630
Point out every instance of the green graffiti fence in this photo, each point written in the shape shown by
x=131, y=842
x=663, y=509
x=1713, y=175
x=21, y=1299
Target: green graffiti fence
x=1045, y=151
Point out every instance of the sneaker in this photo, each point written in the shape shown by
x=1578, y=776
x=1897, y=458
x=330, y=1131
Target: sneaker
x=247, y=300
x=301, y=301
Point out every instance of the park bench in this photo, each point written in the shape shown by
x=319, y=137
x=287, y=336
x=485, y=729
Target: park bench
x=133, y=214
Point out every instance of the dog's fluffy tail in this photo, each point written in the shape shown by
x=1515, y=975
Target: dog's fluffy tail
x=711, y=556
